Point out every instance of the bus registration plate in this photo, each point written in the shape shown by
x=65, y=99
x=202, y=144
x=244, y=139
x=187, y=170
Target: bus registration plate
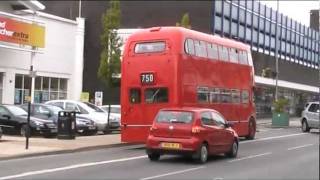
x=170, y=145
x=147, y=78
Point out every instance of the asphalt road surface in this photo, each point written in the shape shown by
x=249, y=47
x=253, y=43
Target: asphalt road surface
x=274, y=154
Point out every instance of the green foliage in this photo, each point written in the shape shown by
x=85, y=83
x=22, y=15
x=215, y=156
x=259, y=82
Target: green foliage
x=280, y=105
x=110, y=42
x=185, y=21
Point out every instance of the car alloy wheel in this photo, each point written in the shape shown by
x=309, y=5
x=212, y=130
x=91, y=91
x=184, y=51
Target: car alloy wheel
x=202, y=155
x=154, y=156
x=234, y=150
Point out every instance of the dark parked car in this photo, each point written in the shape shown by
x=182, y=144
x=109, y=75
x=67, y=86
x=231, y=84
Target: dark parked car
x=16, y=117
x=193, y=132
x=43, y=111
x=0, y=132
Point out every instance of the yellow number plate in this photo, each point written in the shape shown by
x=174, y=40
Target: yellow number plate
x=170, y=145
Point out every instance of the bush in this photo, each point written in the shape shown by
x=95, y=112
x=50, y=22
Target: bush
x=280, y=105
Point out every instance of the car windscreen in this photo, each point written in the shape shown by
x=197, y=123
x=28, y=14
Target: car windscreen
x=94, y=107
x=174, y=117
x=17, y=111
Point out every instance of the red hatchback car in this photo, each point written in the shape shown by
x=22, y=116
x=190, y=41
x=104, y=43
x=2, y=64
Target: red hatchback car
x=191, y=131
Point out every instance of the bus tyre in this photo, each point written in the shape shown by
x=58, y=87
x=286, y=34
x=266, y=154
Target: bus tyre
x=252, y=130
x=201, y=156
x=153, y=156
x=305, y=127
x=233, y=150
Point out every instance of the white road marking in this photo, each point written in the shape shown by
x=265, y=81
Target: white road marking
x=250, y=157
x=298, y=147
x=172, y=173
x=274, y=137
x=31, y=173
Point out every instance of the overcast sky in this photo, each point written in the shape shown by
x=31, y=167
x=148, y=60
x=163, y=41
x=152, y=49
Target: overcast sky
x=297, y=10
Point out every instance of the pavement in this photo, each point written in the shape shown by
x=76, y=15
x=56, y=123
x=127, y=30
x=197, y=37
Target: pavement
x=14, y=146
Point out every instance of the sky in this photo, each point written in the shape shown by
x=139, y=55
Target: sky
x=297, y=10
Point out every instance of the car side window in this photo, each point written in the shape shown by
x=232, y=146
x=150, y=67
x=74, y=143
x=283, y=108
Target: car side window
x=206, y=119
x=71, y=107
x=82, y=110
x=219, y=120
x=3, y=111
x=59, y=104
x=313, y=108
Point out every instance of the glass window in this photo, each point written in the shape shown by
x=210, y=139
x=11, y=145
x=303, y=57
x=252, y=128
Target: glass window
x=206, y=119
x=71, y=107
x=215, y=95
x=27, y=82
x=233, y=55
x=18, y=81
x=37, y=85
x=63, y=85
x=314, y=108
x=17, y=111
x=3, y=111
x=219, y=120
x=225, y=96
x=223, y=53
x=235, y=96
x=243, y=57
x=245, y=96
x=156, y=95
x=45, y=83
x=54, y=84
x=203, y=94
x=212, y=51
x=135, y=96
x=200, y=48
x=189, y=46
x=92, y=106
x=58, y=104
x=174, y=117
x=150, y=47
x=82, y=110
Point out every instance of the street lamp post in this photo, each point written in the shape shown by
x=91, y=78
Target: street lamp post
x=276, y=53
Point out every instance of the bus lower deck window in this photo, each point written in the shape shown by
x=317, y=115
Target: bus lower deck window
x=156, y=95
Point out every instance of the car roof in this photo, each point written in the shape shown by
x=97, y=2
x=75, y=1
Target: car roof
x=193, y=109
x=314, y=102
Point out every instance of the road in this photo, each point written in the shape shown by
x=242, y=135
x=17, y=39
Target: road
x=274, y=154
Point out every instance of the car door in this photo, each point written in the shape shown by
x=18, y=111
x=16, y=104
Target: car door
x=4, y=117
x=211, y=132
x=226, y=136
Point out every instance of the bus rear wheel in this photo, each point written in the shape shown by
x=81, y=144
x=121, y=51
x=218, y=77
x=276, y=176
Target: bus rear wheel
x=252, y=130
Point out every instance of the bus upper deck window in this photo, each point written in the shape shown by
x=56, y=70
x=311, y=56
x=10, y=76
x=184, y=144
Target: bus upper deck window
x=135, y=96
x=150, y=47
x=156, y=95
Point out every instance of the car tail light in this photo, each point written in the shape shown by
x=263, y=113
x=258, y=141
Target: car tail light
x=195, y=129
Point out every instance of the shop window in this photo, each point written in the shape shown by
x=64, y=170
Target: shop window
x=203, y=94
x=37, y=84
x=54, y=84
x=134, y=96
x=156, y=95
x=18, y=81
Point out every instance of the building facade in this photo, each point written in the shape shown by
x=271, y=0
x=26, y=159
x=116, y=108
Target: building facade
x=56, y=66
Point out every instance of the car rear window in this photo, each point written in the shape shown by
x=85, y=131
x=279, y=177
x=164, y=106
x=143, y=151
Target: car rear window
x=174, y=117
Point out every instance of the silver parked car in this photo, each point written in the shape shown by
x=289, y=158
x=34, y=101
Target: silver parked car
x=310, y=116
x=88, y=111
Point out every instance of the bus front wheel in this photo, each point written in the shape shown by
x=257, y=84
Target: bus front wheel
x=252, y=130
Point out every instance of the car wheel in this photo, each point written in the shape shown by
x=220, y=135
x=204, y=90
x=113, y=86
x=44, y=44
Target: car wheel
x=305, y=127
x=252, y=130
x=153, y=156
x=201, y=155
x=234, y=150
x=88, y=133
x=23, y=130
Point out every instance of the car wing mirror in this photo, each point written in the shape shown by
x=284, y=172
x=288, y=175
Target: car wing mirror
x=228, y=124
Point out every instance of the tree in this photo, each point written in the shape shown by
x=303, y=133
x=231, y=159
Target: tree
x=185, y=21
x=110, y=63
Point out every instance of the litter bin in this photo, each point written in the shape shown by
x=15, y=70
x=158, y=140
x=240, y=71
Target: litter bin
x=66, y=125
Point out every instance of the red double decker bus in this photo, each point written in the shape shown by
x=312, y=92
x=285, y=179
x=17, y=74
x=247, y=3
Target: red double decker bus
x=177, y=67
